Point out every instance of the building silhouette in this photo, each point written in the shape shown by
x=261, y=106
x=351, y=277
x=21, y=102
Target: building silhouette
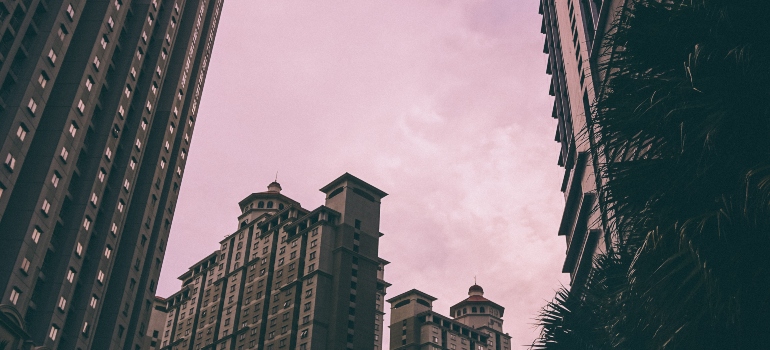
x=574, y=32
x=475, y=323
x=288, y=277
x=98, y=105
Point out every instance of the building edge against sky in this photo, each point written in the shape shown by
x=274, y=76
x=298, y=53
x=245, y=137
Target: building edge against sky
x=98, y=105
x=475, y=323
x=286, y=278
x=575, y=35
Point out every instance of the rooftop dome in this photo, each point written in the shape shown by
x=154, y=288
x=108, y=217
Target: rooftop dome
x=475, y=290
x=274, y=187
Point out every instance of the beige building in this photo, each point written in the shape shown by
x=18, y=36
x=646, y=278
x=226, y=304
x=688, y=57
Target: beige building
x=288, y=277
x=574, y=34
x=475, y=323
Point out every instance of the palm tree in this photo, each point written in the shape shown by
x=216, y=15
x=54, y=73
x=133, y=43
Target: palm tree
x=683, y=123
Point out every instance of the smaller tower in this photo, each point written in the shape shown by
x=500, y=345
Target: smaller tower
x=477, y=311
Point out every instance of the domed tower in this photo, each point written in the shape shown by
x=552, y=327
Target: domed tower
x=269, y=202
x=477, y=311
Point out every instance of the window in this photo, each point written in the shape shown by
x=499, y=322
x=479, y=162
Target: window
x=307, y=307
x=64, y=154
x=94, y=199
x=42, y=79
x=15, y=292
x=55, y=179
x=313, y=243
x=117, y=4
x=62, y=33
x=139, y=53
x=121, y=205
x=36, y=234
x=85, y=328
x=79, y=250
x=32, y=105
x=144, y=36
x=71, y=275
x=158, y=71
x=108, y=153
x=104, y=41
x=121, y=112
x=308, y=293
x=311, y=268
x=73, y=129
x=144, y=124
x=108, y=252
x=312, y=255
x=81, y=106
x=87, y=223
x=62, y=303
x=97, y=62
x=100, y=277
x=149, y=107
x=46, y=207
x=54, y=329
x=10, y=162
x=167, y=146
x=163, y=54
x=71, y=15
x=138, y=144
x=52, y=56
x=127, y=91
x=25, y=265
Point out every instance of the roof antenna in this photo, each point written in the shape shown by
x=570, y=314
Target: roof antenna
x=276, y=176
x=474, y=280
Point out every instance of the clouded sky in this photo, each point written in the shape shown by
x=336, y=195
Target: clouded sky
x=443, y=104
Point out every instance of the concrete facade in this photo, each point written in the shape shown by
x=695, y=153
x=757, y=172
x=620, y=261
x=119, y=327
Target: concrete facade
x=288, y=277
x=575, y=31
x=97, y=109
x=475, y=324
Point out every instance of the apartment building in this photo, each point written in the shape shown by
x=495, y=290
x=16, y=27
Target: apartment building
x=288, y=277
x=575, y=32
x=98, y=105
x=475, y=323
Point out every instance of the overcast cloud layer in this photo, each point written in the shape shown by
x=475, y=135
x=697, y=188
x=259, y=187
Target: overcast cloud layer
x=442, y=104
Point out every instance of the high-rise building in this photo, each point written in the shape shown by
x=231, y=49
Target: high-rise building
x=574, y=32
x=97, y=107
x=475, y=323
x=288, y=277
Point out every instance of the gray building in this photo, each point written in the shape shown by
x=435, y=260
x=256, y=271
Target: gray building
x=288, y=277
x=98, y=105
x=575, y=31
x=475, y=323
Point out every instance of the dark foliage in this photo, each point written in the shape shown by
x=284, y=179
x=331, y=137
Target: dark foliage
x=682, y=128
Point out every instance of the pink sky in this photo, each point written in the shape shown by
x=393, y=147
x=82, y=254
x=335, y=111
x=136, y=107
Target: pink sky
x=443, y=104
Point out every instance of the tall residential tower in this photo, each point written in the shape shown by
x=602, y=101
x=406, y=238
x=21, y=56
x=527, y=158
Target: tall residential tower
x=288, y=277
x=97, y=108
x=575, y=31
